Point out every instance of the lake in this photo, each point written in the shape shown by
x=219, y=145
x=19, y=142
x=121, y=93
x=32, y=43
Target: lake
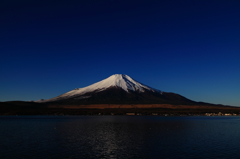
x=119, y=137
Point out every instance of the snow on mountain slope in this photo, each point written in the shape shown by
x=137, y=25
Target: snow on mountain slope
x=118, y=80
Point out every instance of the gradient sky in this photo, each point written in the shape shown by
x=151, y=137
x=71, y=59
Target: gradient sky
x=190, y=47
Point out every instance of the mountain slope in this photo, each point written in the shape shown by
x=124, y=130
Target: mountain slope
x=118, y=89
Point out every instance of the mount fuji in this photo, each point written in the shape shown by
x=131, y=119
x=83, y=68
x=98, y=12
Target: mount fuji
x=118, y=89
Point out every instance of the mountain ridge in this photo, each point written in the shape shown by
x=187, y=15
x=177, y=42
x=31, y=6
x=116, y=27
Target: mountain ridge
x=116, y=95
x=118, y=89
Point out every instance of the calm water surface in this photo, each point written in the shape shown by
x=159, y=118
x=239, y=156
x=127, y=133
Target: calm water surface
x=119, y=137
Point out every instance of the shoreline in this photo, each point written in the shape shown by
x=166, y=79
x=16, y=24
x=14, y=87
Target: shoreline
x=30, y=108
x=121, y=111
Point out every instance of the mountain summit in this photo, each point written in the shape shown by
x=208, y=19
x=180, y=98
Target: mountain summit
x=121, y=81
x=118, y=89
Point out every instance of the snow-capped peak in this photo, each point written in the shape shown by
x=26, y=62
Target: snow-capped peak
x=118, y=80
x=123, y=81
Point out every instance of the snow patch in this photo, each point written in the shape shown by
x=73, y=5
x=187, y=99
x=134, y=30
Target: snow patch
x=118, y=80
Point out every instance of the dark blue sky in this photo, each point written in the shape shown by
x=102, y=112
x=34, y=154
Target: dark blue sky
x=49, y=47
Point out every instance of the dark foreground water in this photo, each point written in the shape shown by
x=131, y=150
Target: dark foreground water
x=119, y=137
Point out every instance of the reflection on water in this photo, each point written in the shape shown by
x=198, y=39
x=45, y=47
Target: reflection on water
x=119, y=137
